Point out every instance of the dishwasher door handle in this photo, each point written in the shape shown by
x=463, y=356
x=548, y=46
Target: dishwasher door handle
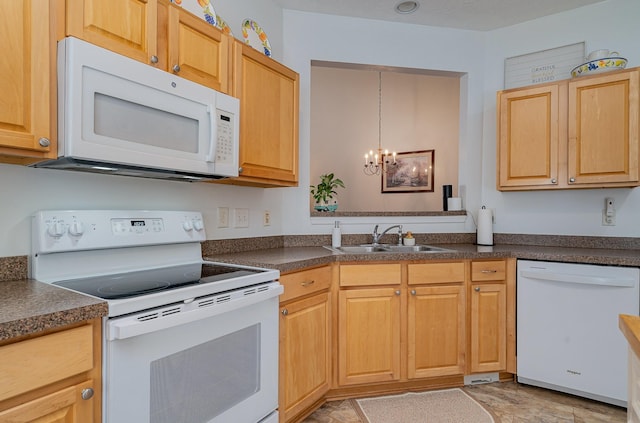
x=545, y=275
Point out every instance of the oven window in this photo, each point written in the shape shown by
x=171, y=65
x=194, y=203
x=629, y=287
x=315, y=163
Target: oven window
x=202, y=382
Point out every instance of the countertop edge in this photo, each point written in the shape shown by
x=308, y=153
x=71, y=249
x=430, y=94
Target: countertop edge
x=630, y=327
x=43, y=307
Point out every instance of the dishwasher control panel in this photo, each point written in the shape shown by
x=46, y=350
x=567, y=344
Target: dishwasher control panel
x=74, y=230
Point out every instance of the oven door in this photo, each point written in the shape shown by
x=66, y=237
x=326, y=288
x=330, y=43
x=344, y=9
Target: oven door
x=213, y=359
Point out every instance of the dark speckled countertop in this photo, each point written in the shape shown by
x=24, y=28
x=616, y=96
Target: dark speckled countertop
x=289, y=259
x=28, y=307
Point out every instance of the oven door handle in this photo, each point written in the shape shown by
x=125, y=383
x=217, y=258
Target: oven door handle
x=186, y=312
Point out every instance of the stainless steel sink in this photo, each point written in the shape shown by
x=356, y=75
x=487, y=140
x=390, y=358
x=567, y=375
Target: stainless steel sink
x=417, y=249
x=387, y=248
x=360, y=249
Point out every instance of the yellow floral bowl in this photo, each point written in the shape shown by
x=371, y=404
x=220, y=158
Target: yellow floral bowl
x=600, y=65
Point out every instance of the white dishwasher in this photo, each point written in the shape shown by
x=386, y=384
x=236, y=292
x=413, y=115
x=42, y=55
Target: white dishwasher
x=567, y=327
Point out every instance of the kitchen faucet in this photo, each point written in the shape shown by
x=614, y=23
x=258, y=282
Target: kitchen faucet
x=376, y=236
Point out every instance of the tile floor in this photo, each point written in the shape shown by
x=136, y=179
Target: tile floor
x=509, y=402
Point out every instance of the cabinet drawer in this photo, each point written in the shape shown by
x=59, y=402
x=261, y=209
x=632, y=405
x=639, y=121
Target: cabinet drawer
x=305, y=282
x=370, y=274
x=37, y=362
x=494, y=270
x=426, y=273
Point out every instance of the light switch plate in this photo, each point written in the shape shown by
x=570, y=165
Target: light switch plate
x=241, y=218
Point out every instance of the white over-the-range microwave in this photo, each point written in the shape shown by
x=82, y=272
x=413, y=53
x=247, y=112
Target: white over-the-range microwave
x=120, y=116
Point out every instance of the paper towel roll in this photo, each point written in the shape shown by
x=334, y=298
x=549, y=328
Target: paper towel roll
x=485, y=227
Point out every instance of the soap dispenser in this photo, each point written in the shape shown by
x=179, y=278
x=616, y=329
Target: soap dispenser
x=336, y=235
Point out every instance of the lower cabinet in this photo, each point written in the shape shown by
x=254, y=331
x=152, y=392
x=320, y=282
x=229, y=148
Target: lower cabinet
x=420, y=322
x=488, y=317
x=66, y=405
x=369, y=335
x=436, y=320
x=384, y=327
x=53, y=377
x=305, y=359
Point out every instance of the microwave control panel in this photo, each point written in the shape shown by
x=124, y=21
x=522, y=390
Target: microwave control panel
x=224, y=147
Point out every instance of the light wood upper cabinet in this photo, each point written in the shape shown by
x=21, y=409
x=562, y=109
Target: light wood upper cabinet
x=582, y=133
x=54, y=377
x=529, y=134
x=197, y=51
x=305, y=355
x=157, y=33
x=27, y=87
x=604, y=131
x=128, y=27
x=268, y=93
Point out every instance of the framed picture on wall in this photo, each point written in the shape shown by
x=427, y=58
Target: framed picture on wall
x=412, y=172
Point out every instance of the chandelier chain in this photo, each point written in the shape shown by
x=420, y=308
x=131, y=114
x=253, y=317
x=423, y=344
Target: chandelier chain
x=379, y=162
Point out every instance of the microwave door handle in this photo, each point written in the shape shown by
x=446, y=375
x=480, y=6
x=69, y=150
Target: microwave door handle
x=213, y=141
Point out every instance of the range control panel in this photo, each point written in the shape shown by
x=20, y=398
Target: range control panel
x=76, y=230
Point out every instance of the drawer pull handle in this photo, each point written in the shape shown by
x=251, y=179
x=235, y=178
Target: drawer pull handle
x=285, y=312
x=154, y=59
x=87, y=393
x=308, y=283
x=477, y=289
x=489, y=271
x=398, y=292
x=413, y=292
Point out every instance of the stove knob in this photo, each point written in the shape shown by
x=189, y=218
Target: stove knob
x=187, y=226
x=76, y=229
x=198, y=225
x=56, y=230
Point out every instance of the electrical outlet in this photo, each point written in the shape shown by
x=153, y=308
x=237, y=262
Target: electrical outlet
x=223, y=217
x=242, y=218
x=266, y=219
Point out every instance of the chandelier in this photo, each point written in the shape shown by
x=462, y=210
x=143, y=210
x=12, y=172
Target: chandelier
x=381, y=160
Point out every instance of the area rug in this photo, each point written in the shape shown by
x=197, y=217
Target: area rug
x=443, y=406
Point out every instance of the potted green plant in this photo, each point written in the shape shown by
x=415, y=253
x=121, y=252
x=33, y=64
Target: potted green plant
x=323, y=192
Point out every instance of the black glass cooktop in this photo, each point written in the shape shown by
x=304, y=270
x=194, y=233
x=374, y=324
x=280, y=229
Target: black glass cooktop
x=136, y=283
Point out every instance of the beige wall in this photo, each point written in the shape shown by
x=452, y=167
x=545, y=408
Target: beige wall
x=419, y=112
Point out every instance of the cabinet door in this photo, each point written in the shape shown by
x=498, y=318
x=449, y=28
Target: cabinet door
x=198, y=51
x=436, y=332
x=529, y=133
x=64, y=406
x=27, y=114
x=603, y=129
x=128, y=27
x=488, y=327
x=304, y=354
x=268, y=93
x=369, y=335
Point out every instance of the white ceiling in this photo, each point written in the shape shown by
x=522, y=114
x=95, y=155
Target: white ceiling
x=478, y=15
